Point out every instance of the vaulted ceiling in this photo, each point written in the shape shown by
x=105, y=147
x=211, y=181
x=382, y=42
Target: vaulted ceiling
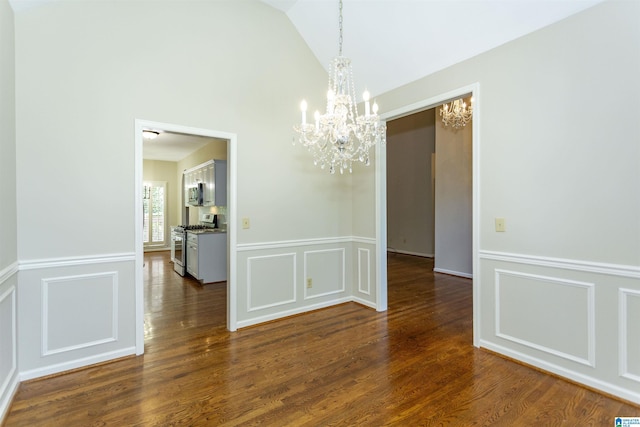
x=394, y=42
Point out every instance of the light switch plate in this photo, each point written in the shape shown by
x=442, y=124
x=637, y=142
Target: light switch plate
x=245, y=223
x=500, y=226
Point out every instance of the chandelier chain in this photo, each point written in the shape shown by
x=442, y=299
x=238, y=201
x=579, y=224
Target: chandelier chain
x=340, y=27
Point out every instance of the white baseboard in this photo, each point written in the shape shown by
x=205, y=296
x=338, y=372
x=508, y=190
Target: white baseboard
x=364, y=302
x=292, y=312
x=7, y=397
x=400, y=251
x=630, y=395
x=75, y=364
x=157, y=249
x=453, y=273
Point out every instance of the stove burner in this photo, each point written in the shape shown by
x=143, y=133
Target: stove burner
x=191, y=227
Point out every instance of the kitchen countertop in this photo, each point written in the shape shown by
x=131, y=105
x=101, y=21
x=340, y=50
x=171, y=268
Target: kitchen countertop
x=207, y=231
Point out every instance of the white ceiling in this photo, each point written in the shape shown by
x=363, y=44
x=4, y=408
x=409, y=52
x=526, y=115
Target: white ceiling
x=394, y=42
x=173, y=147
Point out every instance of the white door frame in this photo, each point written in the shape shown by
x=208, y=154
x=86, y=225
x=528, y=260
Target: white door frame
x=381, y=196
x=232, y=141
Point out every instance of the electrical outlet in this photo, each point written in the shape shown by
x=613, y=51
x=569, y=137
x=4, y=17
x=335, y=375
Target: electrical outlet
x=500, y=226
x=245, y=223
x=309, y=282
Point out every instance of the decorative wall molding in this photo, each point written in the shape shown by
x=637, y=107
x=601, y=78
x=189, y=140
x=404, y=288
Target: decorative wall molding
x=623, y=332
x=8, y=271
x=250, y=282
x=48, y=283
x=364, y=283
x=566, y=264
x=303, y=242
x=590, y=326
x=75, y=261
x=308, y=255
x=10, y=382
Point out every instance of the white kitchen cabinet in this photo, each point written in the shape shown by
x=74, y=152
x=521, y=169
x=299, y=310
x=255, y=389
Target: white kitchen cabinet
x=207, y=255
x=213, y=174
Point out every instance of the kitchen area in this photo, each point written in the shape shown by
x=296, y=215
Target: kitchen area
x=200, y=249
x=185, y=180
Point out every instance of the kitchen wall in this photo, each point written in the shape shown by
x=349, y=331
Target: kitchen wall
x=8, y=235
x=237, y=67
x=410, y=184
x=561, y=163
x=453, y=195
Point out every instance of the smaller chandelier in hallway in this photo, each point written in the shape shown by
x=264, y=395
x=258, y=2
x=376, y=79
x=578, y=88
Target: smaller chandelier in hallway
x=456, y=114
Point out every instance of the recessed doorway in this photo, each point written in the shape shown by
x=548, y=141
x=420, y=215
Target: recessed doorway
x=176, y=216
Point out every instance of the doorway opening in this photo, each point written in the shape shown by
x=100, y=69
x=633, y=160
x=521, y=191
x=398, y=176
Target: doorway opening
x=229, y=141
x=381, y=198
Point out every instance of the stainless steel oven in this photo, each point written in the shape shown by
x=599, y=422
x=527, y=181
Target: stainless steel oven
x=178, y=253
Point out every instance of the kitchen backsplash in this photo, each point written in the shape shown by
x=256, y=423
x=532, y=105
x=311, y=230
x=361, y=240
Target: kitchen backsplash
x=195, y=214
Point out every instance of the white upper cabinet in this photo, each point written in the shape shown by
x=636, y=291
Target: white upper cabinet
x=206, y=184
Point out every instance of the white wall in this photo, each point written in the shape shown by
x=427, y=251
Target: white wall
x=228, y=66
x=410, y=184
x=8, y=235
x=560, y=161
x=453, y=216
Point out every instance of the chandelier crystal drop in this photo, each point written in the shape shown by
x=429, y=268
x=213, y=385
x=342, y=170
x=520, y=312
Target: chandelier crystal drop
x=456, y=114
x=340, y=137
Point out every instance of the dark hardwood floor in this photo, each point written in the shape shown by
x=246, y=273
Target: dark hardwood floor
x=413, y=365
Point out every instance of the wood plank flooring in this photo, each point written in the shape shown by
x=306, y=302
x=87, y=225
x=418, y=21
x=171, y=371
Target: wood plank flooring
x=348, y=365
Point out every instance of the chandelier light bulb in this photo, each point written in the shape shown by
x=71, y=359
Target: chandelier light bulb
x=365, y=97
x=303, y=108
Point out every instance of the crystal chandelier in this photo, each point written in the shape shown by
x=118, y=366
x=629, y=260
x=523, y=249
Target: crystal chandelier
x=456, y=114
x=340, y=137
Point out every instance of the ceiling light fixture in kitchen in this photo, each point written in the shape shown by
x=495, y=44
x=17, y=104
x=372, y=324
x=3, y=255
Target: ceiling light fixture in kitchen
x=340, y=137
x=150, y=134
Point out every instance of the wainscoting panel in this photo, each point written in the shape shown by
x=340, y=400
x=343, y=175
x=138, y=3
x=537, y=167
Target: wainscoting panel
x=324, y=272
x=75, y=312
x=97, y=303
x=629, y=327
x=364, y=267
x=574, y=318
x=272, y=277
x=529, y=307
x=271, y=281
x=8, y=338
x=364, y=271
